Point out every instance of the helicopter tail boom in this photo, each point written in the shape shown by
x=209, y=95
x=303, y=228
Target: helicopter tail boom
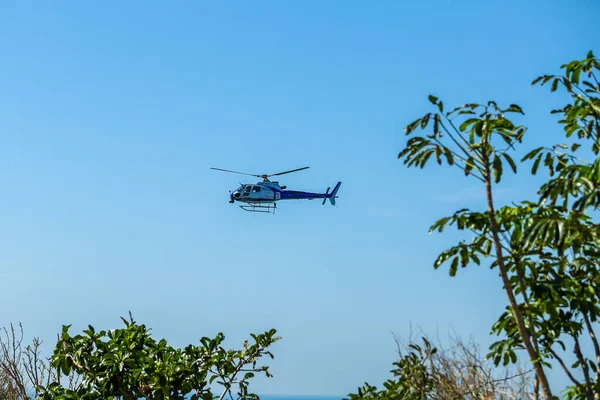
x=332, y=196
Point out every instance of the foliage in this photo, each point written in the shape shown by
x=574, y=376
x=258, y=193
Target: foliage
x=427, y=371
x=128, y=363
x=22, y=368
x=467, y=136
x=546, y=250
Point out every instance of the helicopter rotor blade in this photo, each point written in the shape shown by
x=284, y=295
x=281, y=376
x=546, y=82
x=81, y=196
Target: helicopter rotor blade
x=236, y=172
x=287, y=172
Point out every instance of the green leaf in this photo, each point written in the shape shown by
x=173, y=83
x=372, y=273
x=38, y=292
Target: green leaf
x=515, y=108
x=536, y=80
x=497, y=167
x=536, y=164
x=464, y=256
x=453, y=267
x=433, y=99
x=449, y=156
x=425, y=121
x=440, y=224
x=590, y=88
x=532, y=154
x=575, y=75
x=517, y=235
x=412, y=126
x=469, y=166
x=467, y=123
x=549, y=162
x=438, y=154
x=510, y=161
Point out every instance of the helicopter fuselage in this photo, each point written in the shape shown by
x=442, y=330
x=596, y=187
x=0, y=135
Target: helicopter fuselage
x=270, y=192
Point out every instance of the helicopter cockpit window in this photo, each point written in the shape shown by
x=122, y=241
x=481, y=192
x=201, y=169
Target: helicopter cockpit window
x=256, y=189
x=247, y=188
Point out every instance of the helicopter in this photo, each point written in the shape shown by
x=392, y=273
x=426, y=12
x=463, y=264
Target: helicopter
x=263, y=196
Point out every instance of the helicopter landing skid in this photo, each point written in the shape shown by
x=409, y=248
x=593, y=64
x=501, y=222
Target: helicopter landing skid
x=258, y=207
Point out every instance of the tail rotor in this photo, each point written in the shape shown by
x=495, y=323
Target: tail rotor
x=325, y=198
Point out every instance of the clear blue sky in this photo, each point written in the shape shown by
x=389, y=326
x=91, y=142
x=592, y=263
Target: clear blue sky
x=111, y=115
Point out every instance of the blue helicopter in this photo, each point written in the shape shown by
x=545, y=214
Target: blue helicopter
x=263, y=196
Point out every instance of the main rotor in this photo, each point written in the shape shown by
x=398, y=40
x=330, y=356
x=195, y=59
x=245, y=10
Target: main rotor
x=265, y=177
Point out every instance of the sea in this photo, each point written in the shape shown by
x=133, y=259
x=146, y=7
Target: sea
x=298, y=397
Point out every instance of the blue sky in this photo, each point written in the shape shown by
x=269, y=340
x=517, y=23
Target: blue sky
x=111, y=115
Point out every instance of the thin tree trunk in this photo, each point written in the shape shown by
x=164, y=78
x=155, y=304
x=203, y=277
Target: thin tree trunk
x=539, y=370
x=521, y=277
x=597, y=350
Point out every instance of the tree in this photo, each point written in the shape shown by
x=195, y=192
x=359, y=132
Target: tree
x=430, y=371
x=473, y=150
x=564, y=237
x=128, y=363
x=545, y=252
